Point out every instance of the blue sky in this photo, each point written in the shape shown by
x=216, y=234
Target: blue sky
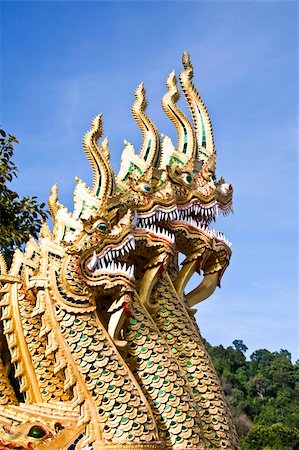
x=63, y=62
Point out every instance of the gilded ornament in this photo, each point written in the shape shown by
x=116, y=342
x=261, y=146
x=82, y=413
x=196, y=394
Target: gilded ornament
x=99, y=346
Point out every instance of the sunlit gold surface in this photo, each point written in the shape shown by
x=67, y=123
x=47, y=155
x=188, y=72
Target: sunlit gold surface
x=99, y=347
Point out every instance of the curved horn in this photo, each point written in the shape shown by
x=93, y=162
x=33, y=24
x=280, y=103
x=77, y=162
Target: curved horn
x=99, y=158
x=150, y=138
x=200, y=115
x=186, y=140
x=204, y=290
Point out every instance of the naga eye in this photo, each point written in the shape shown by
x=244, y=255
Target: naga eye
x=102, y=226
x=187, y=178
x=37, y=432
x=145, y=187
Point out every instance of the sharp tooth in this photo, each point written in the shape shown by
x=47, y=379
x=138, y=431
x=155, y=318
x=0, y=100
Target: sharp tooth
x=92, y=263
x=135, y=219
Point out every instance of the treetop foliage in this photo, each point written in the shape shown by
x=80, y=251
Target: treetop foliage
x=263, y=394
x=20, y=218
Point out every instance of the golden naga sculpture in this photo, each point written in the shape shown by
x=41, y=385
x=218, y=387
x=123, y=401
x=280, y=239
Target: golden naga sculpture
x=99, y=346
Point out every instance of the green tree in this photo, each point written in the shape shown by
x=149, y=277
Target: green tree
x=273, y=437
x=19, y=217
x=263, y=394
x=239, y=345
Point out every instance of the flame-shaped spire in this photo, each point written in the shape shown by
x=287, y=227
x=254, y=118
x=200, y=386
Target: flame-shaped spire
x=3, y=265
x=186, y=142
x=201, y=119
x=131, y=162
x=53, y=202
x=150, y=137
x=99, y=158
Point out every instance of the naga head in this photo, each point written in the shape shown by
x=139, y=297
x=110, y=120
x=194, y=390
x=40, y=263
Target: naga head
x=146, y=190
x=38, y=428
x=96, y=238
x=191, y=167
x=162, y=202
x=174, y=191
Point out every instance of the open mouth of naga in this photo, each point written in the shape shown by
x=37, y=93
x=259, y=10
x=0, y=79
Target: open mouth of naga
x=194, y=215
x=112, y=261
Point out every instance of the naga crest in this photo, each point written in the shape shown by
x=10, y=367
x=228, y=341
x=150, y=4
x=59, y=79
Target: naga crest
x=99, y=345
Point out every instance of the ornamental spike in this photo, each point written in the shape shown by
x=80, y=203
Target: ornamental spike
x=186, y=140
x=53, y=202
x=150, y=137
x=99, y=158
x=3, y=265
x=201, y=119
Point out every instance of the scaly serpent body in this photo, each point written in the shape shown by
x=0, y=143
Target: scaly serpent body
x=99, y=346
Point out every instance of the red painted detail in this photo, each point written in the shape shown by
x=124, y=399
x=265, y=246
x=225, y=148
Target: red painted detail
x=162, y=267
x=127, y=309
x=199, y=263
